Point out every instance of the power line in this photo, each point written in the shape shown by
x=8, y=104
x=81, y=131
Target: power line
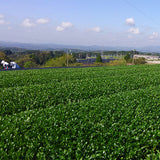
x=141, y=11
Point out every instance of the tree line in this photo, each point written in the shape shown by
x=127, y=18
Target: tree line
x=37, y=58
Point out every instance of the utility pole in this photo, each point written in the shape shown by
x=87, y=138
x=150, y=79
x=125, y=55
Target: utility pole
x=68, y=51
x=102, y=54
x=67, y=57
x=133, y=56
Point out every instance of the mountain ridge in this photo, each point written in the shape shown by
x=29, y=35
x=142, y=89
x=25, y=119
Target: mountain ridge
x=50, y=46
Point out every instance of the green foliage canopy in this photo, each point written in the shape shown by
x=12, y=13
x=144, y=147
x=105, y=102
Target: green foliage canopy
x=60, y=61
x=140, y=61
x=4, y=57
x=82, y=113
x=127, y=57
x=99, y=58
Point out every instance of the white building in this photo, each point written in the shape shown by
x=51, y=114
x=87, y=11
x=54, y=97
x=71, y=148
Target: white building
x=147, y=57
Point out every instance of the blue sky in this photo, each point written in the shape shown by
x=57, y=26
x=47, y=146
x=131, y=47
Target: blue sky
x=81, y=22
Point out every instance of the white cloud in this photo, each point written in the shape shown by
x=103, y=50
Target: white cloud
x=28, y=23
x=2, y=21
x=154, y=35
x=66, y=24
x=63, y=26
x=42, y=20
x=134, y=30
x=130, y=22
x=1, y=16
x=9, y=28
x=60, y=28
x=96, y=29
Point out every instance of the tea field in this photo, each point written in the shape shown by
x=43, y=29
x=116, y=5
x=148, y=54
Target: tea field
x=80, y=113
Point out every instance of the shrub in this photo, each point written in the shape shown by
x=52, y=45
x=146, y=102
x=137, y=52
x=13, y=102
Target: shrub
x=139, y=61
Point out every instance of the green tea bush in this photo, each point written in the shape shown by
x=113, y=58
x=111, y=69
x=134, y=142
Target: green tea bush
x=80, y=113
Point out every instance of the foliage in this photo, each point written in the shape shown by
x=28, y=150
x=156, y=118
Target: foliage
x=30, y=64
x=4, y=57
x=42, y=58
x=98, y=59
x=35, y=58
x=76, y=64
x=98, y=64
x=22, y=61
x=139, y=60
x=127, y=57
x=80, y=113
x=111, y=63
x=117, y=63
x=61, y=61
x=7, y=52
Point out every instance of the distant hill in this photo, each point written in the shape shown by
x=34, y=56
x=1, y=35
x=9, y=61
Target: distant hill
x=78, y=48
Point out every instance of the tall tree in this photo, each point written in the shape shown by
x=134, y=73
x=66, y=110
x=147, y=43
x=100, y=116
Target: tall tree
x=99, y=58
x=4, y=57
x=127, y=57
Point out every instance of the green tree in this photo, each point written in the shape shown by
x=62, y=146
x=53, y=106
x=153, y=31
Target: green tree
x=127, y=57
x=30, y=64
x=60, y=61
x=21, y=61
x=27, y=64
x=4, y=57
x=99, y=59
x=8, y=52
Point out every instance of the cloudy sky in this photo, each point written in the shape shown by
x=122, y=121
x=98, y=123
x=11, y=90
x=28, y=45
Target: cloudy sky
x=81, y=22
